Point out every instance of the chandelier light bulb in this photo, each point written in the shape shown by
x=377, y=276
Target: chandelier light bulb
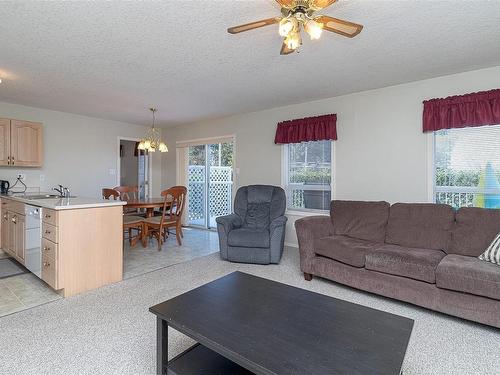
x=314, y=29
x=163, y=147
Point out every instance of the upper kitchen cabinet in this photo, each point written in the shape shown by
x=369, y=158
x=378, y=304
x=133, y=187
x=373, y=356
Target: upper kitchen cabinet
x=21, y=143
x=4, y=141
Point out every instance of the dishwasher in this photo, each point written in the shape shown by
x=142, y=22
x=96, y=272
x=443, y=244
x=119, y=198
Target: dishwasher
x=33, y=240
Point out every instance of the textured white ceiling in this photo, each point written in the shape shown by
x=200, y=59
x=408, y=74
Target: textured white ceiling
x=115, y=59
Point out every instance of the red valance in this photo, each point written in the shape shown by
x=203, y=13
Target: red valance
x=477, y=109
x=307, y=129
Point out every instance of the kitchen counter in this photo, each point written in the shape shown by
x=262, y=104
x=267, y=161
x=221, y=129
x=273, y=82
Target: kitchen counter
x=72, y=244
x=64, y=203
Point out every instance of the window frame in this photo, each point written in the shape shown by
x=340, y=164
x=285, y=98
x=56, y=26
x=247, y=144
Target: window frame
x=284, y=183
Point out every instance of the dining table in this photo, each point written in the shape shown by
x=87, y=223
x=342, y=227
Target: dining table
x=148, y=204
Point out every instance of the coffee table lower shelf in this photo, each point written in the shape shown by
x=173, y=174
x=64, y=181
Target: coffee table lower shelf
x=199, y=360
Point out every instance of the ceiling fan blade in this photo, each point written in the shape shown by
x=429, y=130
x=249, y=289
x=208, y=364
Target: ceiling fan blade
x=253, y=25
x=320, y=4
x=335, y=25
x=289, y=4
x=285, y=50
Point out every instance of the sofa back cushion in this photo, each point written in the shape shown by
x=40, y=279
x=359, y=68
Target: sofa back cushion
x=358, y=219
x=420, y=225
x=473, y=231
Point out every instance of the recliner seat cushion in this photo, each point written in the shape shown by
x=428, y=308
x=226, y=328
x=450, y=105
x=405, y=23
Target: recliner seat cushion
x=351, y=251
x=473, y=231
x=420, y=225
x=469, y=275
x=248, y=237
x=415, y=263
x=358, y=219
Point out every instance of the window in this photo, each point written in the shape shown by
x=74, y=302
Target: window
x=308, y=175
x=467, y=167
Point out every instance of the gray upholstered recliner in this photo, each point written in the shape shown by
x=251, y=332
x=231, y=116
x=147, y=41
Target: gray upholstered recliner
x=255, y=232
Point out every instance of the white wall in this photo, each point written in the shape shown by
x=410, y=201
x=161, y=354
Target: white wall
x=79, y=151
x=381, y=153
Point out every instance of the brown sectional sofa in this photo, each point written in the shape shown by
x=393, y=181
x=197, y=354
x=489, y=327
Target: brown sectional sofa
x=425, y=254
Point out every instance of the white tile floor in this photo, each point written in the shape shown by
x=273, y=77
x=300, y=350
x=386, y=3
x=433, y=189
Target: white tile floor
x=25, y=291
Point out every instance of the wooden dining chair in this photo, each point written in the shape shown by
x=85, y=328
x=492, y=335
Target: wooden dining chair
x=130, y=222
x=126, y=193
x=110, y=193
x=173, y=207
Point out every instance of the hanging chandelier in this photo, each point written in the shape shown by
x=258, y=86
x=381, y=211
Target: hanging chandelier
x=152, y=141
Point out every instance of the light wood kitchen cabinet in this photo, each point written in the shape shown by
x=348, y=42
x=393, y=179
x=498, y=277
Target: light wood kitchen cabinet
x=13, y=228
x=7, y=246
x=4, y=239
x=21, y=143
x=15, y=235
x=4, y=141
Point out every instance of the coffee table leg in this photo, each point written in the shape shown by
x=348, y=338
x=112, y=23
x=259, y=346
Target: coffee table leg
x=161, y=346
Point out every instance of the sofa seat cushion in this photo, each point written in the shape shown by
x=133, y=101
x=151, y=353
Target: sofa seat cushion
x=469, y=275
x=415, y=263
x=248, y=237
x=351, y=251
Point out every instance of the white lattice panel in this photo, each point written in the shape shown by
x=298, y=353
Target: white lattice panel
x=220, y=192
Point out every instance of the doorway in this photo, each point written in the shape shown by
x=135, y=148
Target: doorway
x=210, y=180
x=134, y=167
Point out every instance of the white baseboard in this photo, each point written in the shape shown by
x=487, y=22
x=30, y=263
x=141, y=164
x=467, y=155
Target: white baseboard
x=292, y=245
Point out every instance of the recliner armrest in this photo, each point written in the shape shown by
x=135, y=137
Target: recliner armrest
x=277, y=222
x=229, y=222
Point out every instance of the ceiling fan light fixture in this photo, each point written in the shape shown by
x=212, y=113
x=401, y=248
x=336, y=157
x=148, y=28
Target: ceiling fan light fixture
x=293, y=40
x=286, y=26
x=314, y=29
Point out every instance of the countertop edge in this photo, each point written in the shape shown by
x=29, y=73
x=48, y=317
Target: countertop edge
x=66, y=203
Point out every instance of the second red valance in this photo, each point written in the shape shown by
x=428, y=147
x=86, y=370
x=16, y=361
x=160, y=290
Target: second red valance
x=476, y=109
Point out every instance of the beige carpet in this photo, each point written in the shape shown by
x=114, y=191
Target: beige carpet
x=110, y=331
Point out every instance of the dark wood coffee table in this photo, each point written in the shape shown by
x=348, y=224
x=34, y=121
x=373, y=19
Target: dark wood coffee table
x=246, y=324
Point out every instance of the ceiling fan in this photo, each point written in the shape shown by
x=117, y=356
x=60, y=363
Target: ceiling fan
x=298, y=14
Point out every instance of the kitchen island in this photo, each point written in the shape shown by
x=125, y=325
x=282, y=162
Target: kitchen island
x=77, y=243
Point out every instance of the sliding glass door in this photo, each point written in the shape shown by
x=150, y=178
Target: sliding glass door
x=210, y=180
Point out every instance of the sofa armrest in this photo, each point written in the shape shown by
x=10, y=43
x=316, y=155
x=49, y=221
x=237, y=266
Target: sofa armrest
x=229, y=222
x=308, y=229
x=277, y=230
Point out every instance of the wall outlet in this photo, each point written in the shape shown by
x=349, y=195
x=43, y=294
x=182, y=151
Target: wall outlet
x=112, y=172
x=42, y=177
x=21, y=176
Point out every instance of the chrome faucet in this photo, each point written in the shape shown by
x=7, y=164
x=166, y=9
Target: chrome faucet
x=63, y=191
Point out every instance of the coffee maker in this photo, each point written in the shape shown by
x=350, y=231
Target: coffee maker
x=4, y=186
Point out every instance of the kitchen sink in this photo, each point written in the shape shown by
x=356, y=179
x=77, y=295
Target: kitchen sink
x=47, y=196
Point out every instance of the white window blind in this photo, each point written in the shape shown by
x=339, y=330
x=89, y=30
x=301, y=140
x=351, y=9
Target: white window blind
x=467, y=167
